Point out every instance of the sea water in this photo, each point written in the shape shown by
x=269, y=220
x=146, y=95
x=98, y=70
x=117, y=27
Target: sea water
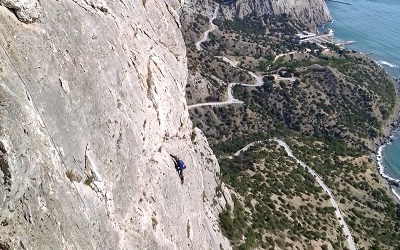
x=375, y=26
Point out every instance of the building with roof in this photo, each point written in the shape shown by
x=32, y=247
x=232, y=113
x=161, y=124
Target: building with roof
x=305, y=36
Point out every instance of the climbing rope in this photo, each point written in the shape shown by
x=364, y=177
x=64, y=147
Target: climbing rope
x=43, y=122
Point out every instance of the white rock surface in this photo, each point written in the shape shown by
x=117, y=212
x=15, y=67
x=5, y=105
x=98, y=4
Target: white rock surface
x=314, y=12
x=94, y=93
x=26, y=10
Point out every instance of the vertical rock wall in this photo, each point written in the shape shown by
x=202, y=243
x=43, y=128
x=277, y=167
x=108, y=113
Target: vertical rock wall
x=311, y=12
x=314, y=12
x=91, y=105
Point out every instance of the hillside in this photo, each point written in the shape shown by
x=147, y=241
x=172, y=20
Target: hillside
x=329, y=106
x=312, y=13
x=309, y=12
x=96, y=95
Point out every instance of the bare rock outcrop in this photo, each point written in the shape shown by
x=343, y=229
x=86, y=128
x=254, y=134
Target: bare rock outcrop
x=310, y=12
x=27, y=11
x=92, y=103
x=314, y=12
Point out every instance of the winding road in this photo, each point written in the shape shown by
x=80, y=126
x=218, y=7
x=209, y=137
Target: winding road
x=259, y=79
x=259, y=82
x=231, y=62
x=283, y=54
x=244, y=149
x=231, y=99
x=345, y=228
x=213, y=27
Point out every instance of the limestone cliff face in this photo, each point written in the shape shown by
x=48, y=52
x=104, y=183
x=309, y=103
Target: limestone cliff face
x=310, y=12
x=314, y=12
x=91, y=105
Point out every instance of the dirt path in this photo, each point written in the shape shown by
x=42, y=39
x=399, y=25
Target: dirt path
x=284, y=54
x=213, y=27
x=345, y=228
x=231, y=99
x=259, y=82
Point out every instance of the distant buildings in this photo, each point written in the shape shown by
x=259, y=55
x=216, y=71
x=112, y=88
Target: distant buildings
x=304, y=36
x=319, y=39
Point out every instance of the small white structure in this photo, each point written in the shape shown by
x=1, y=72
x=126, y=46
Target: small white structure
x=326, y=37
x=304, y=36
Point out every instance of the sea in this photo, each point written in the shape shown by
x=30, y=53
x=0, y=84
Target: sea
x=375, y=26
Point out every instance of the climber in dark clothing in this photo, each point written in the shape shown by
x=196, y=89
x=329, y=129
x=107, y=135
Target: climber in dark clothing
x=179, y=165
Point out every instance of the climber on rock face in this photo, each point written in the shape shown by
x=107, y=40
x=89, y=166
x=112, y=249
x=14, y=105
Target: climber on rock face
x=179, y=165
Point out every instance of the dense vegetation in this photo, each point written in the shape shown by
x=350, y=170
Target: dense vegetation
x=329, y=114
x=281, y=205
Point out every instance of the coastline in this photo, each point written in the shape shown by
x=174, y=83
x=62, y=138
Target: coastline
x=390, y=127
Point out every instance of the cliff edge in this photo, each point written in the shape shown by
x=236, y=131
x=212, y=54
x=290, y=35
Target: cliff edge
x=314, y=12
x=91, y=105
